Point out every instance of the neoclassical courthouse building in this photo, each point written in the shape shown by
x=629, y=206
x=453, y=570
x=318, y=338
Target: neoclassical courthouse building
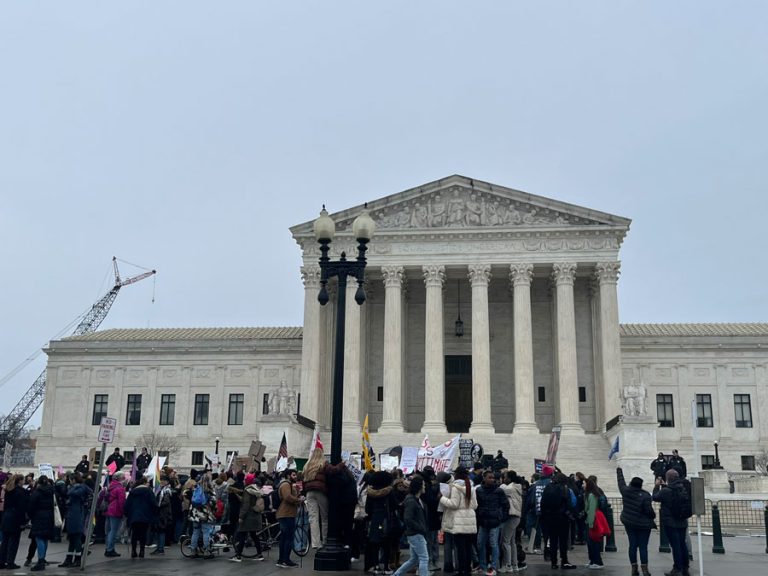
x=533, y=282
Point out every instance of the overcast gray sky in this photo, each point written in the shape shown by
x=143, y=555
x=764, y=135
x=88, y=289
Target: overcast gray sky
x=188, y=136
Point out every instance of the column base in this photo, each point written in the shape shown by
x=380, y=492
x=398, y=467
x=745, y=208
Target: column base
x=482, y=428
x=572, y=428
x=525, y=428
x=391, y=427
x=435, y=427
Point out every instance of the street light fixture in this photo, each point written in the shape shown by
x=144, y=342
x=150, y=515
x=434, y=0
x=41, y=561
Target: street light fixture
x=717, y=458
x=217, y=445
x=333, y=556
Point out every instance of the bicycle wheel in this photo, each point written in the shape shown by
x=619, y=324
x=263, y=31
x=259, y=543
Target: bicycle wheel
x=269, y=536
x=186, y=547
x=302, y=535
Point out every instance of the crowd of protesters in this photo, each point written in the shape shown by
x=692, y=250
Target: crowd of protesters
x=489, y=519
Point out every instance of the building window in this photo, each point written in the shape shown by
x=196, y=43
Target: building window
x=128, y=455
x=164, y=454
x=99, y=408
x=167, y=409
x=236, y=402
x=704, y=411
x=542, y=394
x=133, y=412
x=707, y=462
x=582, y=393
x=380, y=394
x=665, y=412
x=202, y=402
x=265, y=404
x=747, y=462
x=97, y=458
x=743, y=409
x=197, y=458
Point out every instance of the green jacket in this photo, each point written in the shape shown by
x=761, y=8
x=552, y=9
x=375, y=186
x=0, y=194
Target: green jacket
x=590, y=507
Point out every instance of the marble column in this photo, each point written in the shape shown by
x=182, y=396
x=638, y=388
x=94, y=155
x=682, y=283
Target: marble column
x=760, y=406
x=564, y=274
x=521, y=276
x=310, y=343
x=479, y=277
x=607, y=275
x=353, y=336
x=434, y=360
x=392, y=420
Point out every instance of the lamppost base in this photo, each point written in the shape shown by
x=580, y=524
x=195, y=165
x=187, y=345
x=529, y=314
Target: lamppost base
x=332, y=558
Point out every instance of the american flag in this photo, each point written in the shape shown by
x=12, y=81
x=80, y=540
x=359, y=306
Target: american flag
x=283, y=451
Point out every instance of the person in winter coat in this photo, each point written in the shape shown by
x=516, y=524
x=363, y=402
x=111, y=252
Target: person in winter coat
x=41, y=503
x=675, y=528
x=14, y=519
x=203, y=516
x=142, y=461
x=83, y=466
x=557, y=506
x=431, y=499
x=459, y=518
x=117, y=458
x=141, y=512
x=234, y=496
x=659, y=466
x=416, y=527
x=115, y=502
x=591, y=505
x=250, y=517
x=637, y=515
x=500, y=463
x=380, y=504
x=677, y=463
x=513, y=491
x=77, y=496
x=317, y=497
x=492, y=510
x=286, y=516
x=164, y=514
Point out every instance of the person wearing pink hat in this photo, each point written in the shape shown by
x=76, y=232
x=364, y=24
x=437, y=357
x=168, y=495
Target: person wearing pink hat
x=250, y=519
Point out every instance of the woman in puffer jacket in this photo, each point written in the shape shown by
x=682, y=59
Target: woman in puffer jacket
x=459, y=518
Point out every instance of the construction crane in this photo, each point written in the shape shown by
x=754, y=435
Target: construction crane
x=13, y=424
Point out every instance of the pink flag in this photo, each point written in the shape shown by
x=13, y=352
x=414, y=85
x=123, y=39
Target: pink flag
x=111, y=468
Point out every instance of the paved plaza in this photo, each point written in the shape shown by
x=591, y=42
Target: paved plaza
x=745, y=556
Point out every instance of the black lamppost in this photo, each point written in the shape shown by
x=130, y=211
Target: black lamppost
x=717, y=458
x=217, y=446
x=333, y=556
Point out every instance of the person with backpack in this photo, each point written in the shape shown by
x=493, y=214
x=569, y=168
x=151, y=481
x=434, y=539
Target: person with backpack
x=557, y=508
x=286, y=517
x=249, y=519
x=492, y=510
x=202, y=513
x=637, y=515
x=675, y=498
x=591, y=507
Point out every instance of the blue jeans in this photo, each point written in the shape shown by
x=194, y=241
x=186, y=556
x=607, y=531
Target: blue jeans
x=419, y=555
x=287, y=530
x=160, y=541
x=593, y=550
x=198, y=529
x=638, y=540
x=113, y=527
x=42, y=548
x=483, y=536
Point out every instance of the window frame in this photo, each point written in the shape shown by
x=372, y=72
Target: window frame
x=704, y=405
x=739, y=405
x=198, y=458
x=131, y=401
x=99, y=400
x=201, y=401
x=236, y=401
x=167, y=409
x=668, y=408
x=707, y=461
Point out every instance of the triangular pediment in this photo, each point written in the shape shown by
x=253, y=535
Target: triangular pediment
x=461, y=203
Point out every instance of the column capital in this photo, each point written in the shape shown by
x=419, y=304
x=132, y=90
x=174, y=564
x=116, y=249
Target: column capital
x=434, y=275
x=393, y=276
x=479, y=274
x=310, y=275
x=520, y=274
x=563, y=273
x=607, y=272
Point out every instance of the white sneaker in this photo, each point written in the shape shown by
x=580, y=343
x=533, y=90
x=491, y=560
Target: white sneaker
x=595, y=566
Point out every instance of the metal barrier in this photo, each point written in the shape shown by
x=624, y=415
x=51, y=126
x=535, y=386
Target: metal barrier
x=733, y=513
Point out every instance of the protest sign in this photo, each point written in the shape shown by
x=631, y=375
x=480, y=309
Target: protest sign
x=554, y=443
x=45, y=470
x=440, y=457
x=538, y=465
x=465, y=453
x=388, y=462
x=409, y=459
